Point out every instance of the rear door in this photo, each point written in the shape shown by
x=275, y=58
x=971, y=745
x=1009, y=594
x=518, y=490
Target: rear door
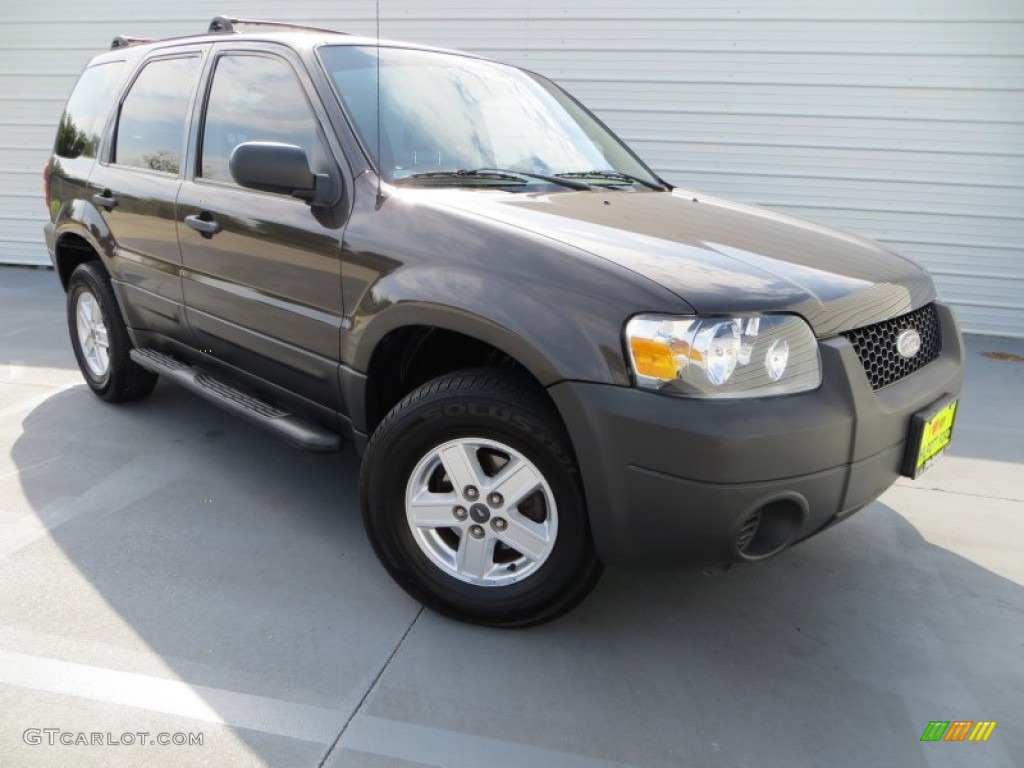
x=135, y=185
x=263, y=289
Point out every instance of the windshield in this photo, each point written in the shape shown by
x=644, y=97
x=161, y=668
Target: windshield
x=445, y=113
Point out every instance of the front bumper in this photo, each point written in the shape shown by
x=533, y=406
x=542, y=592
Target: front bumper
x=672, y=480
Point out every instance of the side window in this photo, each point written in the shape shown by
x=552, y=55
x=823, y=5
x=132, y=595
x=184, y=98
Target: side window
x=78, y=134
x=253, y=98
x=151, y=128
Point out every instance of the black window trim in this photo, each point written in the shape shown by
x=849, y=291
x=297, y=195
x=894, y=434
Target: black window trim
x=109, y=144
x=195, y=159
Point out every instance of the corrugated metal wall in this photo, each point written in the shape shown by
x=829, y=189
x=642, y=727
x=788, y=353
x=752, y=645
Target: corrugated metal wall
x=902, y=120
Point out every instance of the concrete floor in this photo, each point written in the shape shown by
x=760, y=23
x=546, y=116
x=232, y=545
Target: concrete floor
x=167, y=568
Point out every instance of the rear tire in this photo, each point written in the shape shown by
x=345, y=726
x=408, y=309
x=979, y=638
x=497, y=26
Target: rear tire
x=100, y=339
x=432, y=485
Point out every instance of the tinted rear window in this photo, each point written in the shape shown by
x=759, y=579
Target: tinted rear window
x=81, y=126
x=151, y=129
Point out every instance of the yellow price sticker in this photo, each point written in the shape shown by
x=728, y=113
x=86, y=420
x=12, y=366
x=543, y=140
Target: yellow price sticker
x=937, y=434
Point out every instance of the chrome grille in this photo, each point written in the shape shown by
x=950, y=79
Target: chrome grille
x=876, y=346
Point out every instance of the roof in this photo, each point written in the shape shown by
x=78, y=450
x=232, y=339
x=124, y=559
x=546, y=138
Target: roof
x=222, y=25
x=223, y=28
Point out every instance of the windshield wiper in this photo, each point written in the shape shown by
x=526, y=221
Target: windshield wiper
x=559, y=180
x=617, y=175
x=496, y=173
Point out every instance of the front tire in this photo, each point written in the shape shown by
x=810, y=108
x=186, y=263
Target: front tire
x=471, y=498
x=100, y=339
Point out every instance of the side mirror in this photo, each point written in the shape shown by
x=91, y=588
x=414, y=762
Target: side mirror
x=283, y=168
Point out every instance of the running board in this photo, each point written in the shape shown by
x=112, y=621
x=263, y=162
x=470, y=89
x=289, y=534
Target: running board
x=292, y=429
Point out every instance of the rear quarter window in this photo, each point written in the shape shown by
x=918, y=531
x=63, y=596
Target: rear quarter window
x=81, y=126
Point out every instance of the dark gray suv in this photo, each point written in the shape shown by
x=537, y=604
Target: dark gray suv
x=549, y=358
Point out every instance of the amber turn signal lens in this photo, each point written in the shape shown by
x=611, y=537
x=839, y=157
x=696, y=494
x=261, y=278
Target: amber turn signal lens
x=653, y=358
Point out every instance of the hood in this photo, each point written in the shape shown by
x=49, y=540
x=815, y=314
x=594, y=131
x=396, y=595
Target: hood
x=717, y=255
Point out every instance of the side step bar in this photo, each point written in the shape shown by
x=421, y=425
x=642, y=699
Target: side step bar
x=292, y=429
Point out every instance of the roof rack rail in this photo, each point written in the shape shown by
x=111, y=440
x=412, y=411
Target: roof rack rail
x=227, y=24
x=123, y=41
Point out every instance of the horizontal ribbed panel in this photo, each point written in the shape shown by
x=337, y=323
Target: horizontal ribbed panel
x=899, y=120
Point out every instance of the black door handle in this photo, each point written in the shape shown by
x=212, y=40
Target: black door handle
x=105, y=199
x=207, y=227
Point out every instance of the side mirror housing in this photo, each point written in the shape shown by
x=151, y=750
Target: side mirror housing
x=283, y=168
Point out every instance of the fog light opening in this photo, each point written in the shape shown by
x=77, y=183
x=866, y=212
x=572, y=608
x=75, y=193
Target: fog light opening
x=769, y=529
x=748, y=530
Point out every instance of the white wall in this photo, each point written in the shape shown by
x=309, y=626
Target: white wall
x=899, y=119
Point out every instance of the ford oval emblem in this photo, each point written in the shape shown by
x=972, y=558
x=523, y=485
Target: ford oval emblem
x=908, y=343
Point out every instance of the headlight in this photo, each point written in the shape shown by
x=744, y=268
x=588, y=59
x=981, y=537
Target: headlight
x=723, y=357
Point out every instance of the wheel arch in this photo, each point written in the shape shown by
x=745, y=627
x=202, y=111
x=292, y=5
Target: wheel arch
x=72, y=248
x=79, y=228
x=409, y=355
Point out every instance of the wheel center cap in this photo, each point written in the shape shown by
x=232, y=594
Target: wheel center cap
x=480, y=513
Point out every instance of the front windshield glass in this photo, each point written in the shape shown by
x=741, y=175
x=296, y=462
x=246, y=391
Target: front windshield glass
x=443, y=113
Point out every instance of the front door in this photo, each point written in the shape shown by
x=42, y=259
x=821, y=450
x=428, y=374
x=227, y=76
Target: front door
x=262, y=271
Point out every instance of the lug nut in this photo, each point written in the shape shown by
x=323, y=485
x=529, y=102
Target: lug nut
x=471, y=492
x=499, y=523
x=495, y=499
x=476, y=531
x=460, y=513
